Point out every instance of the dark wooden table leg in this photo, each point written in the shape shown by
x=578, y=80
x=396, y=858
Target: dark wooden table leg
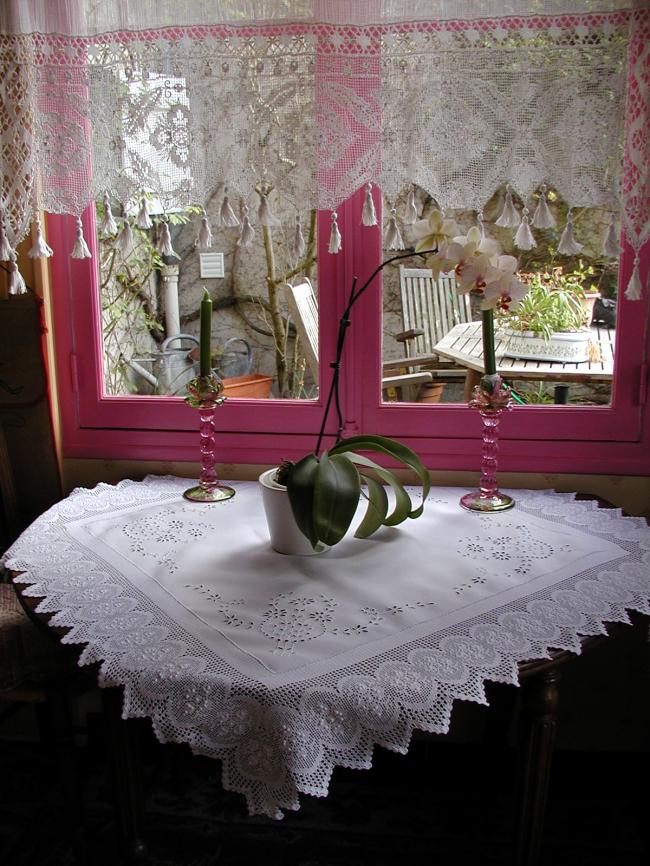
x=539, y=717
x=123, y=756
x=472, y=378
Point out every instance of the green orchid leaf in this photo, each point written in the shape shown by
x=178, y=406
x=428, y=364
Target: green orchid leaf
x=393, y=449
x=336, y=497
x=377, y=509
x=300, y=487
x=403, y=502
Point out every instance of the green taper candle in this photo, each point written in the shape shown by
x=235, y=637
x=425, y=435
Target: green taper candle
x=489, y=360
x=206, y=334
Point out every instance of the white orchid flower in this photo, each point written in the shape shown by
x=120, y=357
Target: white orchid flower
x=470, y=257
x=476, y=274
x=508, y=290
x=433, y=231
x=474, y=241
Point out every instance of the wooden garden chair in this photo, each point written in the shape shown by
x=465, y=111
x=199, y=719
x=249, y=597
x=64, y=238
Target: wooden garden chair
x=430, y=308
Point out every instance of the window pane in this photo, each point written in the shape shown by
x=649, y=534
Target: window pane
x=264, y=343
x=432, y=348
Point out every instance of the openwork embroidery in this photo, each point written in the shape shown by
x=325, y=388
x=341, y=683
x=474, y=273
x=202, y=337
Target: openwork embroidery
x=290, y=620
x=275, y=742
x=316, y=110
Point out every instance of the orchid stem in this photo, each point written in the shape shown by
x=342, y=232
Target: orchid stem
x=344, y=323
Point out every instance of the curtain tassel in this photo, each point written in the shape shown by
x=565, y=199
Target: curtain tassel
x=164, y=245
x=543, y=218
x=227, y=216
x=611, y=246
x=204, y=239
x=5, y=247
x=335, y=245
x=393, y=238
x=247, y=233
x=80, y=249
x=368, y=213
x=299, y=245
x=509, y=218
x=634, y=287
x=108, y=227
x=524, y=238
x=143, y=220
x=568, y=245
x=16, y=282
x=124, y=241
x=410, y=210
x=265, y=215
x=40, y=250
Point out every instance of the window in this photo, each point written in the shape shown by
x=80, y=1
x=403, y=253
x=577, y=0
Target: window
x=315, y=108
x=558, y=438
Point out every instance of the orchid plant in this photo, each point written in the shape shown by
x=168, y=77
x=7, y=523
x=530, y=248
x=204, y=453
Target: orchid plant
x=480, y=268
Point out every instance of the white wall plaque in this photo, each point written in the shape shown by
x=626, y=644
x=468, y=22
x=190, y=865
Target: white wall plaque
x=211, y=265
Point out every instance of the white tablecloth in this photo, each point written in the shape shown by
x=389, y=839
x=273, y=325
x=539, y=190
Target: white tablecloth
x=284, y=667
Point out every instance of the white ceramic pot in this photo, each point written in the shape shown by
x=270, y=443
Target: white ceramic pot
x=284, y=532
x=571, y=347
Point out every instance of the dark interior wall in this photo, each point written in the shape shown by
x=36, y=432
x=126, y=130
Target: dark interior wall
x=29, y=477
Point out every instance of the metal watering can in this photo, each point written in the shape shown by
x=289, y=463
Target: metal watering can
x=236, y=358
x=164, y=372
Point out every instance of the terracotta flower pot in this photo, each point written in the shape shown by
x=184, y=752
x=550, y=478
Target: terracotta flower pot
x=252, y=385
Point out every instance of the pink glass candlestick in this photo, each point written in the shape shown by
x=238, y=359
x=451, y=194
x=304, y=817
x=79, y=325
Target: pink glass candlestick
x=491, y=398
x=204, y=395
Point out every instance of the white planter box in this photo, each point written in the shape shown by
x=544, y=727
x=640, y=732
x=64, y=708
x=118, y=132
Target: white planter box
x=572, y=347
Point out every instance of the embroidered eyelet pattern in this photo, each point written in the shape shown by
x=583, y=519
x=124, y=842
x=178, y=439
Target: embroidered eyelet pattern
x=290, y=620
x=169, y=533
x=225, y=608
x=479, y=578
x=515, y=546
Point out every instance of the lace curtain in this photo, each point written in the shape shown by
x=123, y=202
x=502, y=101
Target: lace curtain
x=313, y=100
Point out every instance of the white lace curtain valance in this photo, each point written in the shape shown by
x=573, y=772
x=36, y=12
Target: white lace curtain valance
x=242, y=99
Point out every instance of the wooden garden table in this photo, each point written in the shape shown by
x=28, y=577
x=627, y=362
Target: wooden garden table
x=463, y=344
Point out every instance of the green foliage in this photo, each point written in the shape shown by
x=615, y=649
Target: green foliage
x=537, y=396
x=324, y=492
x=554, y=303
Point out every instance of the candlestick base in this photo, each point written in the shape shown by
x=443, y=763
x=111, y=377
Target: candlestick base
x=477, y=501
x=201, y=494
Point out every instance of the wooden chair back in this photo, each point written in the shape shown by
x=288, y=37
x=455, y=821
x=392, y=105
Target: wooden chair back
x=430, y=307
x=303, y=309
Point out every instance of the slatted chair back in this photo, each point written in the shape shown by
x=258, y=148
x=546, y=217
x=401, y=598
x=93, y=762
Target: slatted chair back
x=303, y=309
x=431, y=307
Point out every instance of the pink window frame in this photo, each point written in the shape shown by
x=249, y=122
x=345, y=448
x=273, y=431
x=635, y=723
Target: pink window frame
x=612, y=440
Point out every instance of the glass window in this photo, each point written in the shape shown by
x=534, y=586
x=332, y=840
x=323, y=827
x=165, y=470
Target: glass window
x=557, y=347
x=264, y=296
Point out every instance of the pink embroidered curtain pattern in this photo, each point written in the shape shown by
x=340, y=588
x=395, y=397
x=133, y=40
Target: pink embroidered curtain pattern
x=313, y=100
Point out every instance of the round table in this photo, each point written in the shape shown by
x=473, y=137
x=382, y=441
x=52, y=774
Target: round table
x=283, y=667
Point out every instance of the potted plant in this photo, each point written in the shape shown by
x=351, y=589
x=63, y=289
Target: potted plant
x=311, y=504
x=551, y=321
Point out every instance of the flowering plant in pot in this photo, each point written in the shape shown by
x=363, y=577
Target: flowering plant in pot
x=324, y=490
x=319, y=494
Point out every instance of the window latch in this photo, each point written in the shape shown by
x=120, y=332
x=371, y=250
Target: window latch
x=74, y=373
x=643, y=384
